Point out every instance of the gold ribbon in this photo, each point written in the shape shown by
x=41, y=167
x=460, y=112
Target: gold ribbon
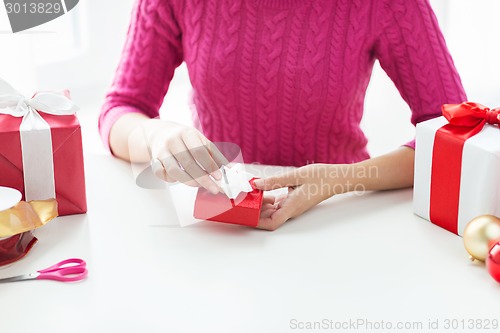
x=27, y=216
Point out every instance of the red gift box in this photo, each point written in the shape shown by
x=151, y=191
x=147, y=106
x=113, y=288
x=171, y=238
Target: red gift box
x=68, y=172
x=243, y=210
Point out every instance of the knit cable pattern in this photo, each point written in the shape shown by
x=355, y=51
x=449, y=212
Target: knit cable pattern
x=283, y=79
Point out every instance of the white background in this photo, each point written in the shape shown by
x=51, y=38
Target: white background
x=396, y=267
x=80, y=51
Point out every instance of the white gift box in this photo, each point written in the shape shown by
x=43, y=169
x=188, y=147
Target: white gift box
x=479, y=186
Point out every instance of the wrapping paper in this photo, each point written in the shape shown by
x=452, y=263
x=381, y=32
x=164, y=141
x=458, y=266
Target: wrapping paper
x=238, y=180
x=243, y=210
x=15, y=247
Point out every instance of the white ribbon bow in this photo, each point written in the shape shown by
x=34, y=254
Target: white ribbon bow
x=36, y=138
x=15, y=104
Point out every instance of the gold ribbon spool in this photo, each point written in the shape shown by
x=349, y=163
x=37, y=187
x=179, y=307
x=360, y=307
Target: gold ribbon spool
x=26, y=216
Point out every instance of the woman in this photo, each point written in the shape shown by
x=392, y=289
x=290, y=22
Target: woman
x=283, y=79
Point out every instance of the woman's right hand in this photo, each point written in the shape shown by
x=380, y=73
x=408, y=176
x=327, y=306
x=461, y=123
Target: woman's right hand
x=176, y=152
x=182, y=153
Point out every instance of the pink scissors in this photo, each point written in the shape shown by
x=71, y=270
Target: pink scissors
x=69, y=270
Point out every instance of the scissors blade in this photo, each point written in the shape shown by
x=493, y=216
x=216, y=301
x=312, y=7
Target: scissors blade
x=225, y=176
x=226, y=181
x=24, y=277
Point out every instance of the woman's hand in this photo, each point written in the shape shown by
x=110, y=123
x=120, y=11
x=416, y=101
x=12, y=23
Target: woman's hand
x=182, y=153
x=311, y=184
x=177, y=152
x=307, y=187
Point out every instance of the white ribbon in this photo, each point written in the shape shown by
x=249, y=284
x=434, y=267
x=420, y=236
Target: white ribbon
x=237, y=181
x=36, y=139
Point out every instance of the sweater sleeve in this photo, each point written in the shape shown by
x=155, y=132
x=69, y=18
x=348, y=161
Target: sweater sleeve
x=411, y=49
x=153, y=49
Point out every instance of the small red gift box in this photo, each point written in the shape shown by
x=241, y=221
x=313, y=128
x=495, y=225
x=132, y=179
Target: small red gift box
x=41, y=154
x=243, y=210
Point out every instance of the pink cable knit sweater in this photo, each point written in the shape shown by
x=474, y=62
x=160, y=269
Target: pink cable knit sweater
x=283, y=79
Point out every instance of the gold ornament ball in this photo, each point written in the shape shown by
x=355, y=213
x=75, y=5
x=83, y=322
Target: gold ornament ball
x=480, y=234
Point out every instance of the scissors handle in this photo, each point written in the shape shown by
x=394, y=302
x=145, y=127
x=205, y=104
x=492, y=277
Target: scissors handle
x=69, y=274
x=68, y=270
x=73, y=262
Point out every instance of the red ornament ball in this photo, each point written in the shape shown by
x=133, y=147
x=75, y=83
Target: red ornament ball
x=493, y=261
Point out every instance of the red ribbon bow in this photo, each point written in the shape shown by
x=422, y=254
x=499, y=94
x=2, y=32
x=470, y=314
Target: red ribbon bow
x=465, y=121
x=471, y=114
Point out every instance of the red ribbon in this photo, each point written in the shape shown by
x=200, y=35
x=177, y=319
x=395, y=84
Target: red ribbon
x=465, y=120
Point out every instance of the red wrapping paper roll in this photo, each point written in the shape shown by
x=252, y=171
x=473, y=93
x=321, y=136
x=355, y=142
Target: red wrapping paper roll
x=15, y=247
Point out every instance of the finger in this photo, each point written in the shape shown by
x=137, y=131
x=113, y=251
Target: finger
x=188, y=163
x=268, y=200
x=299, y=200
x=271, y=219
x=216, y=154
x=267, y=211
x=174, y=172
x=280, y=198
x=288, y=179
x=283, y=212
x=286, y=208
x=187, y=169
x=280, y=204
x=201, y=154
x=209, y=184
x=159, y=171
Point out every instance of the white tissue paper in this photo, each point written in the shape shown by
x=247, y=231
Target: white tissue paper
x=237, y=178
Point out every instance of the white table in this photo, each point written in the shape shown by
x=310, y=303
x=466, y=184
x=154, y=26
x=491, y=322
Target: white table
x=351, y=258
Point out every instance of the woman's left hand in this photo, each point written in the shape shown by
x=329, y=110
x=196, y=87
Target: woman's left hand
x=311, y=184
x=307, y=187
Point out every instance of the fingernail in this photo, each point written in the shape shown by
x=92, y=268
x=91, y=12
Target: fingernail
x=258, y=183
x=217, y=175
x=213, y=189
